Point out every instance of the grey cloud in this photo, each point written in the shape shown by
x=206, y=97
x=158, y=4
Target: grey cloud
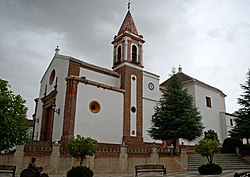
x=31, y=29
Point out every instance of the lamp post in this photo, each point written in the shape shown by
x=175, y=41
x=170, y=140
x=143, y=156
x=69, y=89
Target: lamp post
x=55, y=110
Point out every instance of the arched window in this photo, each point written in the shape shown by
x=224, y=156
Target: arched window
x=119, y=54
x=134, y=53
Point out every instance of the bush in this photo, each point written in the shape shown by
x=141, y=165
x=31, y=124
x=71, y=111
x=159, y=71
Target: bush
x=245, y=147
x=80, y=171
x=210, y=169
x=230, y=144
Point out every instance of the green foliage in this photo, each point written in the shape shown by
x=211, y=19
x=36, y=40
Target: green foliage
x=245, y=147
x=211, y=134
x=242, y=127
x=80, y=171
x=208, y=146
x=175, y=116
x=82, y=147
x=210, y=169
x=230, y=144
x=13, y=127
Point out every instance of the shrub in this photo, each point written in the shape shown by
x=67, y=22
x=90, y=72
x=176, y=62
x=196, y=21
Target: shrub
x=230, y=144
x=245, y=147
x=80, y=171
x=210, y=169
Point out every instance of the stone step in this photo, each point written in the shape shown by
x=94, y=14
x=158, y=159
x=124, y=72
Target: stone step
x=226, y=161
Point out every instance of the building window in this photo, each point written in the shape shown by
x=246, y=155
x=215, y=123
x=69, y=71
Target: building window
x=134, y=53
x=133, y=132
x=208, y=101
x=133, y=109
x=119, y=54
x=231, y=122
x=94, y=106
x=52, y=77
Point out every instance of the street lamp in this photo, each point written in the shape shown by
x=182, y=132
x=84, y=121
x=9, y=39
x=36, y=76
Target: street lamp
x=55, y=110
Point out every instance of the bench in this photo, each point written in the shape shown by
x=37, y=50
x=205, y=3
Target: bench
x=8, y=169
x=149, y=168
x=244, y=174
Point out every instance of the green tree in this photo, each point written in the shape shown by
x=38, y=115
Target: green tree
x=13, y=126
x=208, y=146
x=82, y=147
x=211, y=134
x=242, y=127
x=175, y=116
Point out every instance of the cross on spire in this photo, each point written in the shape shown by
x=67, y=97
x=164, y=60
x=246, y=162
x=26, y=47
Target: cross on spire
x=129, y=4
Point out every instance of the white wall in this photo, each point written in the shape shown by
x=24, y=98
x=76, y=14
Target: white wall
x=230, y=123
x=210, y=116
x=99, y=77
x=105, y=126
x=150, y=99
x=60, y=64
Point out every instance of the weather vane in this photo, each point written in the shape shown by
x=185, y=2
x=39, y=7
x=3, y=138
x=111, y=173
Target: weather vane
x=129, y=3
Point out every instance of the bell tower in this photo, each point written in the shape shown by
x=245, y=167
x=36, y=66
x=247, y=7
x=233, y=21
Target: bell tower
x=128, y=61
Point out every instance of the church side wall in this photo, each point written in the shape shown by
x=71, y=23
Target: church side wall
x=151, y=96
x=100, y=78
x=191, y=91
x=60, y=65
x=105, y=125
x=228, y=123
x=210, y=115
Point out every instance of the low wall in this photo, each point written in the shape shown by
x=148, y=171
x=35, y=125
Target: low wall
x=122, y=162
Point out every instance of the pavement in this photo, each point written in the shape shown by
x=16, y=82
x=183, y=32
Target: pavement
x=226, y=173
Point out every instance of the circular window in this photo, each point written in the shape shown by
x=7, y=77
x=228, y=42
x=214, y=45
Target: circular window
x=151, y=86
x=52, y=76
x=133, y=109
x=94, y=106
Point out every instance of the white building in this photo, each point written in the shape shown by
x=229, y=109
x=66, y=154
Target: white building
x=113, y=105
x=210, y=102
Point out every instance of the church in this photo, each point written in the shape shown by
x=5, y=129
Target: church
x=114, y=105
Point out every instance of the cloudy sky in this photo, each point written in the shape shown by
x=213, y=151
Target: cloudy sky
x=210, y=39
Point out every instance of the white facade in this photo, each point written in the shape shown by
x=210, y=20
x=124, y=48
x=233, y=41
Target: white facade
x=228, y=123
x=151, y=96
x=210, y=103
x=100, y=78
x=107, y=124
x=60, y=65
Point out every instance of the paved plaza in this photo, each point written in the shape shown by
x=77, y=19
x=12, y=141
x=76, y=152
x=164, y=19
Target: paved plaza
x=226, y=173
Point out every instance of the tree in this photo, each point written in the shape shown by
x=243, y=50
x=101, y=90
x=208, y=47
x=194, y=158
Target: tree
x=175, y=116
x=82, y=147
x=208, y=146
x=230, y=144
x=211, y=134
x=242, y=127
x=13, y=126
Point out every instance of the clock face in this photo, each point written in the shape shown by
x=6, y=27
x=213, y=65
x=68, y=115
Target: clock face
x=151, y=86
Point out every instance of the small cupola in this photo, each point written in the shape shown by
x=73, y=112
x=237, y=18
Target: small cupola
x=57, y=50
x=180, y=69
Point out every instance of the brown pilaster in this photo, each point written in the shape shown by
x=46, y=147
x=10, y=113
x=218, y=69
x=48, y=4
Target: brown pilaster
x=69, y=110
x=126, y=73
x=70, y=103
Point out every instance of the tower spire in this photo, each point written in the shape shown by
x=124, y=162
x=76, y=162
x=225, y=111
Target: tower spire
x=128, y=25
